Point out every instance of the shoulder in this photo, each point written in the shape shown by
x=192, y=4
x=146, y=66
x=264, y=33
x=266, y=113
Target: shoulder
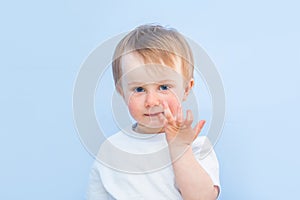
x=202, y=146
x=120, y=139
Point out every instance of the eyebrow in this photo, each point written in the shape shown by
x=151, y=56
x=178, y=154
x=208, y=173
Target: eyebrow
x=158, y=82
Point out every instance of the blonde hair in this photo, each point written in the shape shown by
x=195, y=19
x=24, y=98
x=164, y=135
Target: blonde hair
x=155, y=44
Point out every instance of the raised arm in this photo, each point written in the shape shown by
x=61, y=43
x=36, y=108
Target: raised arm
x=191, y=178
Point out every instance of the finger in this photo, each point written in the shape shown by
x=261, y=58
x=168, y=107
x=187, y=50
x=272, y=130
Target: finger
x=162, y=119
x=179, y=116
x=197, y=129
x=189, y=118
x=167, y=112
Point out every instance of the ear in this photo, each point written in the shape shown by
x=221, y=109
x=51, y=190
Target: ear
x=188, y=88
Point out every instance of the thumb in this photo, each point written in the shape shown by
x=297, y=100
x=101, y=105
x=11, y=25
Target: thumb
x=197, y=129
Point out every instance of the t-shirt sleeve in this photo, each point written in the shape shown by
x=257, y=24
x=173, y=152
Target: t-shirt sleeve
x=96, y=190
x=205, y=154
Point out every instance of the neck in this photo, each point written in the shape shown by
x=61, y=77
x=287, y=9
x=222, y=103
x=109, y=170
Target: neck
x=139, y=128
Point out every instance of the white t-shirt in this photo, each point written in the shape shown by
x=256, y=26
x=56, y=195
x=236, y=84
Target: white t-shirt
x=137, y=166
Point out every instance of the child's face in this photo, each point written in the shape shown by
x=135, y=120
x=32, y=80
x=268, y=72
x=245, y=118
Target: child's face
x=145, y=87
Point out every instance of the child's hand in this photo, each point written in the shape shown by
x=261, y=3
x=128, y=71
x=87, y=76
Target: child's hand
x=179, y=131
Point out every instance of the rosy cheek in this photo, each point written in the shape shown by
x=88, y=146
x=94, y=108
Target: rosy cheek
x=173, y=105
x=130, y=100
x=133, y=106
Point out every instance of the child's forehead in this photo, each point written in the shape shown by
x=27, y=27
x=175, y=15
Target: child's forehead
x=133, y=60
x=134, y=69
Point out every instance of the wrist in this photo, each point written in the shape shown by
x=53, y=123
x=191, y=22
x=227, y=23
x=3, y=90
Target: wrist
x=179, y=150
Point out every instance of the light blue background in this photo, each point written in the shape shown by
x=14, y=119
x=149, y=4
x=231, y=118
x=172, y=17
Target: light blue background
x=254, y=44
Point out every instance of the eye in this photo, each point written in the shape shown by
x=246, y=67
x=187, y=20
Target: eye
x=164, y=87
x=139, y=89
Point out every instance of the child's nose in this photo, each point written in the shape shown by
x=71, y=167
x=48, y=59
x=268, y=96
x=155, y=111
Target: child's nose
x=152, y=99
